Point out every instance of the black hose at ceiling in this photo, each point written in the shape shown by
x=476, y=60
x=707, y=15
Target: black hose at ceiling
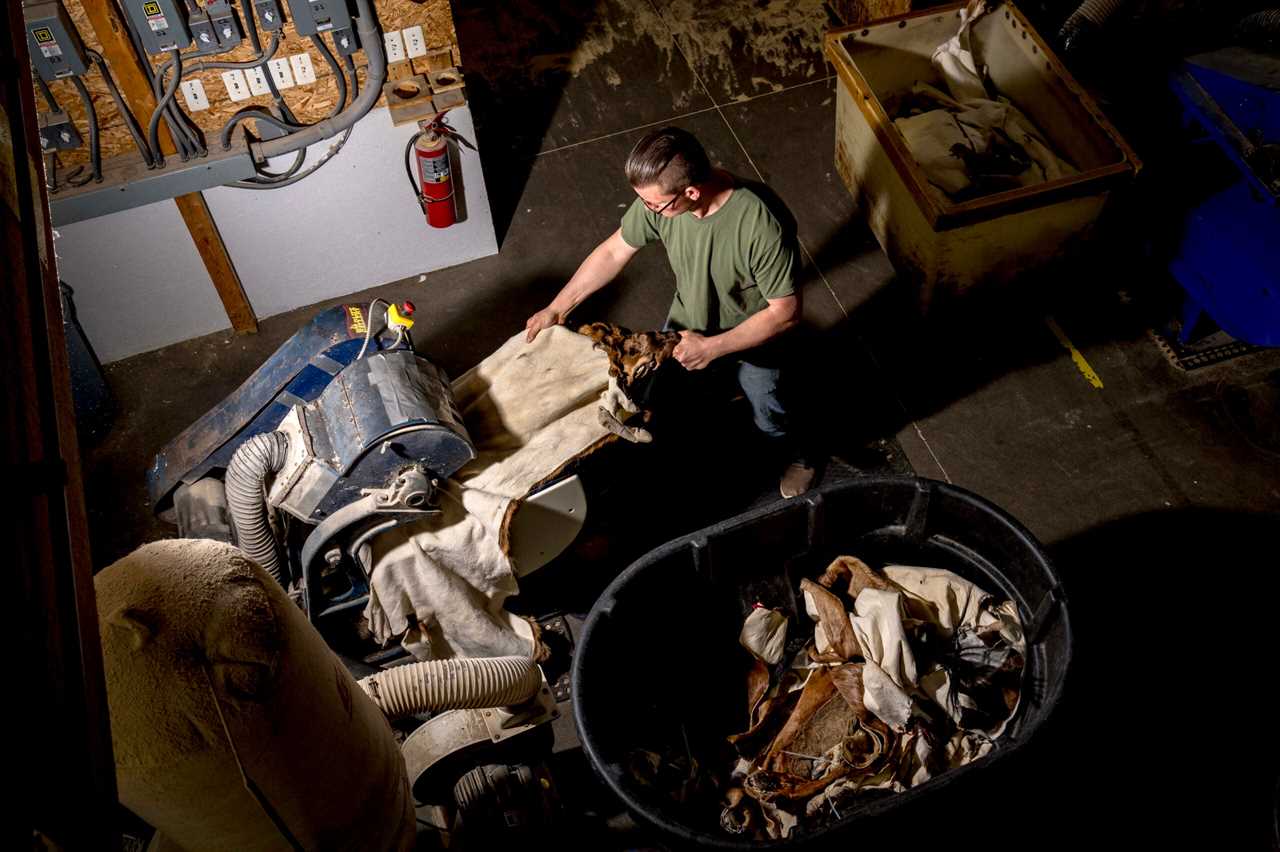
x=246, y=477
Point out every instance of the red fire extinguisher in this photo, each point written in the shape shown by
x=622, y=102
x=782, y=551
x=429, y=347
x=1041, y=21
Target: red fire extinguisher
x=434, y=182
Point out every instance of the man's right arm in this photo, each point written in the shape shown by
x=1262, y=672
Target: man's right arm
x=601, y=266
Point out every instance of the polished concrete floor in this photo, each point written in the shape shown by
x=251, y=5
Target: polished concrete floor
x=1156, y=490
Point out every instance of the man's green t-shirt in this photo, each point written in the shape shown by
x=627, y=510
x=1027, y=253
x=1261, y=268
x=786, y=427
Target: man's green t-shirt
x=727, y=265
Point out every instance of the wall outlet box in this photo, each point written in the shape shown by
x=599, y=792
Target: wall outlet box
x=395, y=46
x=280, y=73
x=415, y=44
x=193, y=93
x=257, y=79
x=303, y=72
x=237, y=85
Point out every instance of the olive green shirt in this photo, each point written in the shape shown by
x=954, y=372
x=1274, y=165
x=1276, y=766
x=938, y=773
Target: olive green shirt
x=727, y=265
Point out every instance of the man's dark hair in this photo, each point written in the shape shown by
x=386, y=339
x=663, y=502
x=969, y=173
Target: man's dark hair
x=672, y=158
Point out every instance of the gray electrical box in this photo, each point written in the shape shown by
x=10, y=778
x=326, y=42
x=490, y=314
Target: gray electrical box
x=226, y=25
x=55, y=46
x=159, y=23
x=57, y=132
x=346, y=41
x=270, y=15
x=317, y=16
x=202, y=33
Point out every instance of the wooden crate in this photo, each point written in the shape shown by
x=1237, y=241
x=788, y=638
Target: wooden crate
x=947, y=247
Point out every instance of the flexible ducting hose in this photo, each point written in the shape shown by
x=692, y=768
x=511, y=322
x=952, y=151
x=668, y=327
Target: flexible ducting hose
x=439, y=685
x=1261, y=29
x=1088, y=18
x=1098, y=11
x=246, y=477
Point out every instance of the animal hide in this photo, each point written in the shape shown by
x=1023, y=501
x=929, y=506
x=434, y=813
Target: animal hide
x=632, y=356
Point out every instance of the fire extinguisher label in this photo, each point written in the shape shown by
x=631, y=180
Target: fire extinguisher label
x=435, y=169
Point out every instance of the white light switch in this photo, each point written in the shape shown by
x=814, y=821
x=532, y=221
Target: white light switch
x=395, y=46
x=414, y=44
x=193, y=92
x=237, y=85
x=303, y=73
x=257, y=81
x=280, y=73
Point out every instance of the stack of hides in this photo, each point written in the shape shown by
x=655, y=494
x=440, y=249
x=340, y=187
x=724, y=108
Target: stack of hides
x=969, y=144
x=909, y=673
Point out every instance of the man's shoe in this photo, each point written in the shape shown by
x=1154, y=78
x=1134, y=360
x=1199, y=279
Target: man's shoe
x=797, y=479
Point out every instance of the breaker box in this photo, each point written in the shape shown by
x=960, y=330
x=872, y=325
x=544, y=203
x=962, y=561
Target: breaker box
x=317, y=16
x=55, y=46
x=159, y=23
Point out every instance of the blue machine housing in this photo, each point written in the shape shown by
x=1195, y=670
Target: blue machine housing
x=300, y=372
x=1228, y=256
x=381, y=415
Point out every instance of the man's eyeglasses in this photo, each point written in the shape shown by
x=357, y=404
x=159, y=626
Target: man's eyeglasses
x=659, y=210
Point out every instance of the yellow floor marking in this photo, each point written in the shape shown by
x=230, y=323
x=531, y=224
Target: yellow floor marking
x=1081, y=364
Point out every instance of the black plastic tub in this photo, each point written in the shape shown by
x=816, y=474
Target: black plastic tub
x=658, y=666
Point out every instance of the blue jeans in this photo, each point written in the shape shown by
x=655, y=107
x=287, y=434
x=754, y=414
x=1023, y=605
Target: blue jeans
x=763, y=388
x=762, y=378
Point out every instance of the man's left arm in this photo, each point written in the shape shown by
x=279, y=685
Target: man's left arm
x=695, y=351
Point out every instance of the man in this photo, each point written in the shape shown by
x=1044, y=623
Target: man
x=735, y=271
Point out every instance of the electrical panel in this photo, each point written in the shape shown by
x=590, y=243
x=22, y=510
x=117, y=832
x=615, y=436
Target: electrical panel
x=317, y=16
x=270, y=15
x=55, y=46
x=159, y=24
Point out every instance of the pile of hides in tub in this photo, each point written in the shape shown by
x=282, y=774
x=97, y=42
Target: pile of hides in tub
x=968, y=142
x=909, y=672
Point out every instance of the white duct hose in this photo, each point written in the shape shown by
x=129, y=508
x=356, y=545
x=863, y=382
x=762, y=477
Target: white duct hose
x=245, y=481
x=215, y=682
x=1098, y=12
x=458, y=684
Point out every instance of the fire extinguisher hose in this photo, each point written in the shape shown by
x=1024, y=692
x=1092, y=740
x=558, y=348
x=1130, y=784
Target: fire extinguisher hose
x=408, y=170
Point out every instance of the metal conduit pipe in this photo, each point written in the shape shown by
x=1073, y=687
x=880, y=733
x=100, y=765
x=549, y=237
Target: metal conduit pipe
x=371, y=40
x=95, y=147
x=438, y=685
x=245, y=481
x=123, y=109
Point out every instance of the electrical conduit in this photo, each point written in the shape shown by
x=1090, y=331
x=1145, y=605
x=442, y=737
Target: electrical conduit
x=438, y=685
x=371, y=40
x=245, y=481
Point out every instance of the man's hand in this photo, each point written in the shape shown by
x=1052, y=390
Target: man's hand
x=544, y=318
x=695, y=351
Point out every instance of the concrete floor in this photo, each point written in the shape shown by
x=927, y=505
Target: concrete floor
x=1157, y=493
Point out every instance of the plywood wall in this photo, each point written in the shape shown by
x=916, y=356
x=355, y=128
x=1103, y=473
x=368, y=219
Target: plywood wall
x=309, y=102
